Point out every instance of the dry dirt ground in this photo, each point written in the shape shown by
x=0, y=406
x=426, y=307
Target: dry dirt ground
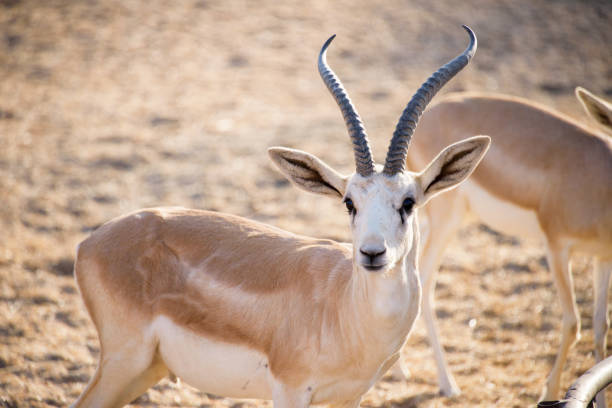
x=109, y=106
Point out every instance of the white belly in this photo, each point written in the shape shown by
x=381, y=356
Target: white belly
x=500, y=215
x=211, y=366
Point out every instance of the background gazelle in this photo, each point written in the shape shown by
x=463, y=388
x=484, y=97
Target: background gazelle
x=546, y=176
x=244, y=309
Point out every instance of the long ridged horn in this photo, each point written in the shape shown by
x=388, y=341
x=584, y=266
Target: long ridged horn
x=398, y=148
x=361, y=147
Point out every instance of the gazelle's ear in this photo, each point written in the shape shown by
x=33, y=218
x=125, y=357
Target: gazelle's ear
x=308, y=172
x=452, y=165
x=595, y=107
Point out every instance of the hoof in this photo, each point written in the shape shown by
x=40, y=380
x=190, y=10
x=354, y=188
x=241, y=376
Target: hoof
x=450, y=390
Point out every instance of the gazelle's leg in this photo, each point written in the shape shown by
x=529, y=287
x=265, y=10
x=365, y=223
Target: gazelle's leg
x=444, y=217
x=601, y=321
x=560, y=267
x=288, y=397
x=348, y=404
x=122, y=375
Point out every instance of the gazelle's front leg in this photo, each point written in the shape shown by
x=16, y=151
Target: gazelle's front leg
x=601, y=321
x=444, y=217
x=288, y=397
x=558, y=259
x=347, y=404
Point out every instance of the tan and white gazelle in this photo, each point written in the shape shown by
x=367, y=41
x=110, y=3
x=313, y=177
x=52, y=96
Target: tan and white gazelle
x=545, y=176
x=246, y=310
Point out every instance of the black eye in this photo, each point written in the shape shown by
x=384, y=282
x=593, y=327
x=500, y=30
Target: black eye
x=406, y=208
x=349, y=206
x=407, y=205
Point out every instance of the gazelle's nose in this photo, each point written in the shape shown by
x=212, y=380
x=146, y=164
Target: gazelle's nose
x=372, y=252
x=374, y=257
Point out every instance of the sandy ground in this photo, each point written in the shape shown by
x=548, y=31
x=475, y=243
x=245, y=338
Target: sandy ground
x=109, y=106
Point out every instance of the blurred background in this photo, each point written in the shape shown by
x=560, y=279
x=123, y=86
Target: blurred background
x=110, y=106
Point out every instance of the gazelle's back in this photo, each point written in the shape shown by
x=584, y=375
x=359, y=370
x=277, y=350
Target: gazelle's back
x=536, y=156
x=209, y=241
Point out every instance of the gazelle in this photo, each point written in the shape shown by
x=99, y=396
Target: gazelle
x=246, y=310
x=545, y=176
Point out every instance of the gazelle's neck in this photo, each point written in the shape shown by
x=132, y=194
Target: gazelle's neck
x=391, y=298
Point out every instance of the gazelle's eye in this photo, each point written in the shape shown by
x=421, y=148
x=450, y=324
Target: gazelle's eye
x=407, y=205
x=406, y=208
x=349, y=206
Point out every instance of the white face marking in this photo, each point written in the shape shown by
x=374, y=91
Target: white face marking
x=382, y=230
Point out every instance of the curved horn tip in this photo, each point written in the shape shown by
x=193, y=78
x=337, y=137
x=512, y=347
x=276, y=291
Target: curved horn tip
x=329, y=40
x=471, y=49
x=410, y=117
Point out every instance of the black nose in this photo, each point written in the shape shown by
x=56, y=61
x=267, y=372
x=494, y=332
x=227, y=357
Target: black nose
x=373, y=253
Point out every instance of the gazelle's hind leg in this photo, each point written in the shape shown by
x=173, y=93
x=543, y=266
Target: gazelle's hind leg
x=115, y=386
x=123, y=375
x=560, y=267
x=601, y=321
x=129, y=361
